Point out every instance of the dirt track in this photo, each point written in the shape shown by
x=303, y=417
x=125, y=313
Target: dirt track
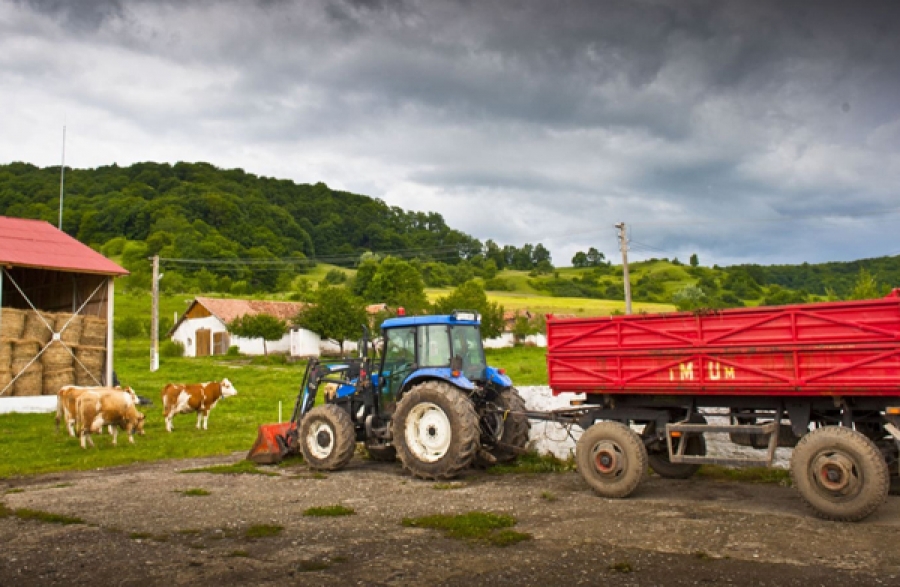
x=139, y=530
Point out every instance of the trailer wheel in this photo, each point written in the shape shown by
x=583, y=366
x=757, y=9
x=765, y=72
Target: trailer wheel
x=659, y=460
x=611, y=458
x=327, y=438
x=513, y=430
x=435, y=430
x=840, y=473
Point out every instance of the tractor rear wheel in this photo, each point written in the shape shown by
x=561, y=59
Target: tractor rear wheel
x=511, y=430
x=611, y=458
x=327, y=438
x=435, y=430
x=840, y=473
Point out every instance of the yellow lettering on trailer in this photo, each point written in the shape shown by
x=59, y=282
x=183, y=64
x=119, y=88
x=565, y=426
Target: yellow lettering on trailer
x=687, y=370
x=729, y=372
x=715, y=371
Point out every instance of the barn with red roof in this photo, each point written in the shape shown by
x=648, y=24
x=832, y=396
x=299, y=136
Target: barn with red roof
x=56, y=314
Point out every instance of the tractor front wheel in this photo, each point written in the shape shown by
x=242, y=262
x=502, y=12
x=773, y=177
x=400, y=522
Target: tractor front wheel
x=435, y=430
x=327, y=439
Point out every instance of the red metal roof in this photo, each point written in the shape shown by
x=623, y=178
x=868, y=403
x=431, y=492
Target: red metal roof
x=36, y=243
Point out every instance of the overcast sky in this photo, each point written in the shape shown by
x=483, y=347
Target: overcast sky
x=757, y=131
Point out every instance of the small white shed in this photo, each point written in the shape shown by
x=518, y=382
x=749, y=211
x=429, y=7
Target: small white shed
x=203, y=328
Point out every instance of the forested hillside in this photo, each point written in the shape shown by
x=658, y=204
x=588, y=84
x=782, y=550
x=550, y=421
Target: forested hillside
x=232, y=232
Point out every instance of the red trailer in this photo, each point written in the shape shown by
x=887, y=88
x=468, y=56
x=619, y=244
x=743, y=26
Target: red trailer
x=823, y=378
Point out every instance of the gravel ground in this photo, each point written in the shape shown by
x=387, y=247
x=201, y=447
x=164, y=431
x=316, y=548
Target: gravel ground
x=140, y=529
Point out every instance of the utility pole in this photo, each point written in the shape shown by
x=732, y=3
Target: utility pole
x=623, y=246
x=154, y=318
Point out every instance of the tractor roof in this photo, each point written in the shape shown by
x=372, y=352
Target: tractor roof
x=427, y=320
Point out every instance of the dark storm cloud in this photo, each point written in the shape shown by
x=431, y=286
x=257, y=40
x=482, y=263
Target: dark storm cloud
x=578, y=113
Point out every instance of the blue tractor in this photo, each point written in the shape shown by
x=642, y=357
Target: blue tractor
x=426, y=396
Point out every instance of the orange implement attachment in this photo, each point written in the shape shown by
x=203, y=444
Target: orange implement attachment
x=272, y=444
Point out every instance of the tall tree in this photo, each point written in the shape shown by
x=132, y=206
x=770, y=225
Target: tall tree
x=335, y=314
x=471, y=296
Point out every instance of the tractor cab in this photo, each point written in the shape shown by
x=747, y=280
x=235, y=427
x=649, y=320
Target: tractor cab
x=444, y=347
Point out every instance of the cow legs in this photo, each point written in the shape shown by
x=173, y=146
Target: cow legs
x=199, y=419
x=114, y=430
x=206, y=420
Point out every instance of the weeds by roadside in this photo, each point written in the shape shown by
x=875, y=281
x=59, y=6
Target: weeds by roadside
x=238, y=468
x=473, y=526
x=534, y=463
x=329, y=511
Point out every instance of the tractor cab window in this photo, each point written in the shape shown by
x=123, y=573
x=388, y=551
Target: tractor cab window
x=399, y=361
x=434, y=346
x=467, y=345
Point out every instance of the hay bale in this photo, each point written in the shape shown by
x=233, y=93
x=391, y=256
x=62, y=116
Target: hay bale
x=38, y=326
x=56, y=356
x=93, y=332
x=5, y=378
x=12, y=322
x=70, y=327
x=30, y=381
x=53, y=380
x=24, y=350
x=6, y=345
x=89, y=364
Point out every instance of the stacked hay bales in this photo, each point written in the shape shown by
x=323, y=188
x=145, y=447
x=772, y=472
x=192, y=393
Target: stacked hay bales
x=70, y=327
x=5, y=363
x=29, y=371
x=93, y=332
x=25, y=333
x=89, y=364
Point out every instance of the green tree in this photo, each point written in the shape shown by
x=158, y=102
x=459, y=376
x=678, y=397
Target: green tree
x=335, y=314
x=262, y=325
x=595, y=257
x=689, y=297
x=397, y=283
x=865, y=288
x=695, y=260
x=470, y=296
x=579, y=260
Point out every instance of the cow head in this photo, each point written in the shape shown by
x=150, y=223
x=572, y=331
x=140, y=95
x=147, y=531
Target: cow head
x=227, y=388
x=139, y=427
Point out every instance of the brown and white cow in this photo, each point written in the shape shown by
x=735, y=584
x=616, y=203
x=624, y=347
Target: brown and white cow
x=69, y=394
x=110, y=407
x=184, y=398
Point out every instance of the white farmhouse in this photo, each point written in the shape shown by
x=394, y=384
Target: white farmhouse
x=203, y=328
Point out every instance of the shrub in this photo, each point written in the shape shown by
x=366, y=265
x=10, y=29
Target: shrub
x=171, y=348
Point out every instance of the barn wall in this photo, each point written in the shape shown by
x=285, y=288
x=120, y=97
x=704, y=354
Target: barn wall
x=55, y=291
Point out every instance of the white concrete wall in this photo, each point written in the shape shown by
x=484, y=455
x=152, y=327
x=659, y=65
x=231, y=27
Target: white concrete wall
x=254, y=346
x=554, y=438
x=304, y=343
x=507, y=340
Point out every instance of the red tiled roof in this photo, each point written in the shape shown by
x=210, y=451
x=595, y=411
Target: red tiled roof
x=227, y=310
x=39, y=244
